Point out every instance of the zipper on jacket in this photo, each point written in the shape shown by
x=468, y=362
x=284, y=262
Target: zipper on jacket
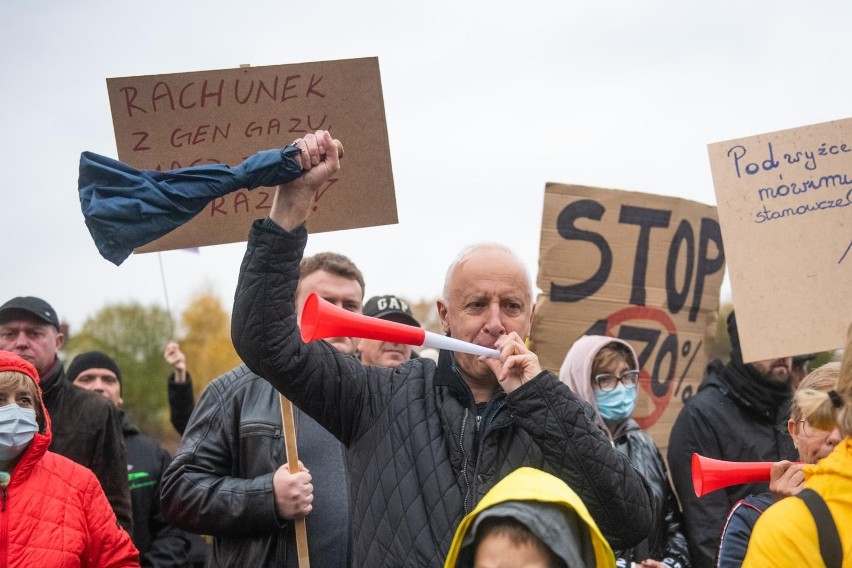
x=464, y=462
x=4, y=524
x=485, y=423
x=485, y=420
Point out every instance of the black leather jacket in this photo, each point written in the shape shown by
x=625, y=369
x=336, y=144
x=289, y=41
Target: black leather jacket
x=668, y=539
x=220, y=481
x=418, y=457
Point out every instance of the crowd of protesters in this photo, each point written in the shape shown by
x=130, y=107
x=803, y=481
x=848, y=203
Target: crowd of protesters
x=403, y=460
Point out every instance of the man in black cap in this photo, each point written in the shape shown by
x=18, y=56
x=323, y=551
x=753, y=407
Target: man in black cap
x=739, y=414
x=386, y=353
x=86, y=428
x=159, y=543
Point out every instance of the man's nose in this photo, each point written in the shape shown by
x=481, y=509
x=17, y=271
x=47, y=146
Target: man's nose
x=21, y=340
x=494, y=322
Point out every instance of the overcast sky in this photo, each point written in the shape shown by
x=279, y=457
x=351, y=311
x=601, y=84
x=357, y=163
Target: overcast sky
x=623, y=95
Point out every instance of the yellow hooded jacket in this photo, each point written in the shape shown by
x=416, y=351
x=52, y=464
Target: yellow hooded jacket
x=534, y=486
x=786, y=533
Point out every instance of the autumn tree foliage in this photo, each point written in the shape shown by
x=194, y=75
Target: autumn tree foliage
x=207, y=339
x=426, y=312
x=134, y=335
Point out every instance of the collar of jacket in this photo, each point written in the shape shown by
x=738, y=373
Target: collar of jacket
x=626, y=426
x=53, y=382
x=127, y=427
x=772, y=407
x=447, y=375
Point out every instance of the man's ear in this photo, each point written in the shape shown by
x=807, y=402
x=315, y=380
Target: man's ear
x=529, y=330
x=442, y=314
x=60, y=341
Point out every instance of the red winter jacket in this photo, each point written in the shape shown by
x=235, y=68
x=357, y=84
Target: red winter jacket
x=54, y=513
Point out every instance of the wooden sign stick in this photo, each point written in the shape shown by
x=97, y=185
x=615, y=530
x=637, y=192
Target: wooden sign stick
x=289, y=425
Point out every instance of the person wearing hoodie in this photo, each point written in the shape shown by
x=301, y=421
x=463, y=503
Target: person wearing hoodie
x=739, y=414
x=54, y=511
x=530, y=518
x=159, y=543
x=604, y=371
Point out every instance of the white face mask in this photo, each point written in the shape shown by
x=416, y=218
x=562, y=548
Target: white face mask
x=17, y=428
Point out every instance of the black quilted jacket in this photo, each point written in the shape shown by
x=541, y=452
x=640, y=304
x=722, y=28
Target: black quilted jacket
x=418, y=458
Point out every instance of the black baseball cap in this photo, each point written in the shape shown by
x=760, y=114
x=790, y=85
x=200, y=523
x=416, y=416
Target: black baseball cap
x=29, y=305
x=390, y=308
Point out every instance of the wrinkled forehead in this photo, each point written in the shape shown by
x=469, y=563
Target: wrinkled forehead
x=24, y=320
x=322, y=281
x=490, y=271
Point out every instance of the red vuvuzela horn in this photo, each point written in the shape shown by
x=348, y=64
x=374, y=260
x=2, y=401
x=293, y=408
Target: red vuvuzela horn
x=321, y=319
x=709, y=474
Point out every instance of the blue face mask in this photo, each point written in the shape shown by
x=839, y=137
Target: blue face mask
x=616, y=404
x=17, y=428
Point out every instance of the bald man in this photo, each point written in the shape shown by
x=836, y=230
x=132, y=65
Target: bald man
x=426, y=441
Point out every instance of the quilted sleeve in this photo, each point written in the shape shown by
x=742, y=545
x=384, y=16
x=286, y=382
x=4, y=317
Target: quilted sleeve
x=576, y=451
x=677, y=547
x=327, y=385
x=109, y=545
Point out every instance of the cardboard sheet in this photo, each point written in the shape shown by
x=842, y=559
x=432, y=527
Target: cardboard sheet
x=645, y=268
x=785, y=207
x=222, y=116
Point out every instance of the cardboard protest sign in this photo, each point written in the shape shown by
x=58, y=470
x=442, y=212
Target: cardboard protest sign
x=785, y=206
x=165, y=122
x=644, y=268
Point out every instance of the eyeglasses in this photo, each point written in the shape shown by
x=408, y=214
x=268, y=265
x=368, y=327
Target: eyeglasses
x=608, y=381
x=809, y=431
